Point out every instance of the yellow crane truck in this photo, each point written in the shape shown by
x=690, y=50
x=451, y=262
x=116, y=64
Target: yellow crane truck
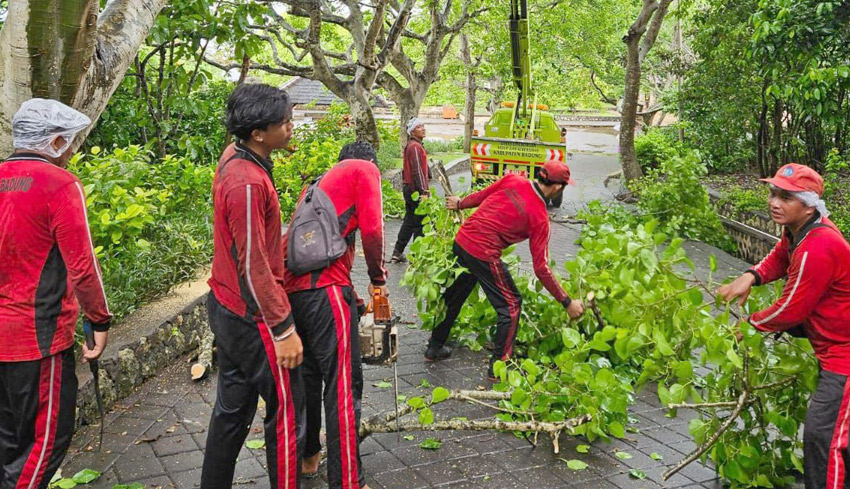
x=521, y=135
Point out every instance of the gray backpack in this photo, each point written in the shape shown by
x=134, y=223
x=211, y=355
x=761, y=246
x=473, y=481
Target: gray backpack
x=315, y=240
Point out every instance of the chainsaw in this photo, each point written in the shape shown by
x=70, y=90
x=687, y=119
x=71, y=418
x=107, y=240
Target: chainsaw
x=379, y=340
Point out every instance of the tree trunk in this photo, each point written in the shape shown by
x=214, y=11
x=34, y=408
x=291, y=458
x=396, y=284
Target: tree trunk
x=66, y=51
x=409, y=102
x=628, y=157
x=648, y=22
x=469, y=110
x=365, y=127
x=407, y=110
x=471, y=90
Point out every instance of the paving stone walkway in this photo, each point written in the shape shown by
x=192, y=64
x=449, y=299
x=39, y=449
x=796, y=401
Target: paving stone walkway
x=157, y=436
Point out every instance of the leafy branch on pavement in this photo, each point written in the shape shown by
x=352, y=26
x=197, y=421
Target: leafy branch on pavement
x=387, y=422
x=651, y=326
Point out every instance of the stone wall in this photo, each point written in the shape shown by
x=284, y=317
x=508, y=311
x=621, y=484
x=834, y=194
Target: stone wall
x=755, y=233
x=144, y=343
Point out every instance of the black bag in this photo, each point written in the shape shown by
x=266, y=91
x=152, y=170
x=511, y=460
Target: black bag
x=314, y=239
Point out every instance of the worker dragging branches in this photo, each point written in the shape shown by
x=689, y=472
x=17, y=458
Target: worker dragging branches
x=510, y=210
x=47, y=266
x=814, y=259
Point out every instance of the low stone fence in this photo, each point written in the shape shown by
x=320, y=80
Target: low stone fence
x=755, y=233
x=144, y=343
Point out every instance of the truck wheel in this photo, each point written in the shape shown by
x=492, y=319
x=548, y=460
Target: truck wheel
x=556, y=203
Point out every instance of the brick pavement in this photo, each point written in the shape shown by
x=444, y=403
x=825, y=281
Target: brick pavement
x=157, y=435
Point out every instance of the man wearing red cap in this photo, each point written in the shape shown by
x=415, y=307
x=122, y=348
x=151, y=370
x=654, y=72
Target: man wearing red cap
x=511, y=210
x=815, y=260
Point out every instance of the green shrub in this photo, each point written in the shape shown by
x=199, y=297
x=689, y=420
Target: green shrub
x=835, y=180
x=433, y=146
x=656, y=146
x=748, y=200
x=674, y=194
x=151, y=221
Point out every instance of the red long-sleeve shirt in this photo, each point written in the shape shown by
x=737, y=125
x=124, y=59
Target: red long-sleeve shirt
x=354, y=187
x=509, y=211
x=816, y=294
x=415, y=170
x=247, y=271
x=47, y=260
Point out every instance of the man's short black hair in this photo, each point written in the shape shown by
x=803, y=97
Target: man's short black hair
x=358, y=150
x=256, y=106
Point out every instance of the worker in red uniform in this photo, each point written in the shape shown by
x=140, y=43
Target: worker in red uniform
x=510, y=210
x=416, y=180
x=814, y=258
x=258, y=348
x=326, y=314
x=47, y=267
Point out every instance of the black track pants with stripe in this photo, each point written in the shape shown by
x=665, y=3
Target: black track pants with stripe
x=500, y=289
x=38, y=402
x=826, y=432
x=248, y=369
x=327, y=321
x=411, y=226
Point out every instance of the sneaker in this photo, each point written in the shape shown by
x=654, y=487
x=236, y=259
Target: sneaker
x=398, y=258
x=437, y=353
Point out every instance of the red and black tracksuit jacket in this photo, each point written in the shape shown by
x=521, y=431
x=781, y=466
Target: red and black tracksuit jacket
x=247, y=307
x=48, y=269
x=325, y=308
x=509, y=211
x=816, y=302
x=416, y=178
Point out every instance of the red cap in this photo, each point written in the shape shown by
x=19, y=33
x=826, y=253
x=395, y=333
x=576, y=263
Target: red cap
x=797, y=178
x=556, y=171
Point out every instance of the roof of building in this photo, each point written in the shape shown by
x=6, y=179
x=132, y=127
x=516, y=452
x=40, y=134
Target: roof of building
x=303, y=91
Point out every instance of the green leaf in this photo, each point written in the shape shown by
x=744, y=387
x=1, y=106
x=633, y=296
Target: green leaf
x=66, y=484
x=426, y=416
x=655, y=456
x=661, y=343
x=617, y=430
x=416, y=402
x=424, y=384
x=382, y=384
x=637, y=474
x=255, y=444
x=570, y=337
x=583, y=448
x=712, y=263
x=431, y=444
x=734, y=358
x=576, y=464
x=440, y=394
x=408, y=437
x=86, y=476
x=623, y=455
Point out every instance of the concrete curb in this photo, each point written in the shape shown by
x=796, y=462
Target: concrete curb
x=144, y=343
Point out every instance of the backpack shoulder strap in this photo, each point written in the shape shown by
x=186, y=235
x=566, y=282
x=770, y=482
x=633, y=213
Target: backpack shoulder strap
x=308, y=196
